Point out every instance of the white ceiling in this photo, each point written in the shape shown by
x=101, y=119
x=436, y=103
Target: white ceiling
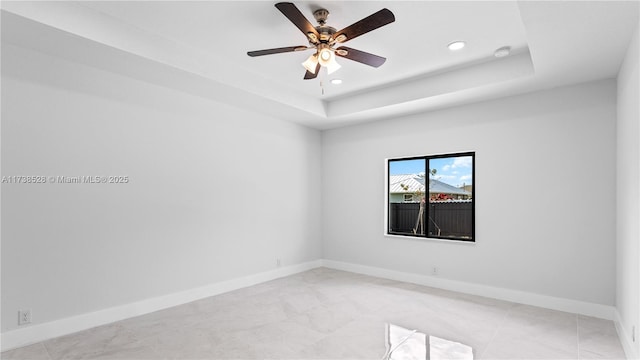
x=200, y=47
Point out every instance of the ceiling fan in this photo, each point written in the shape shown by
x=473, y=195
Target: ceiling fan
x=323, y=38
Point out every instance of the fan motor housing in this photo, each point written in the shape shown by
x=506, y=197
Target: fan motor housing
x=325, y=32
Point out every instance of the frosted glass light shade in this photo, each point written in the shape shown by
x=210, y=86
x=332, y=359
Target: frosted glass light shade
x=311, y=63
x=332, y=66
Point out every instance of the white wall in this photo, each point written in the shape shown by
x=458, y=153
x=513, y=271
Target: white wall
x=545, y=192
x=628, y=198
x=215, y=192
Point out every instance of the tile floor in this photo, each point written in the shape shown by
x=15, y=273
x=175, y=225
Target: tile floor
x=330, y=314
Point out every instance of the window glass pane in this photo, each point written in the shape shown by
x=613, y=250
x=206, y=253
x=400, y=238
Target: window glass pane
x=407, y=181
x=450, y=212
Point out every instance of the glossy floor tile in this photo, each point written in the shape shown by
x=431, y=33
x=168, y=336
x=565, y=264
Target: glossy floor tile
x=330, y=314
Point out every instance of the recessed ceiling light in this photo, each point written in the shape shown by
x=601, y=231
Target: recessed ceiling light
x=336, y=81
x=456, y=45
x=502, y=52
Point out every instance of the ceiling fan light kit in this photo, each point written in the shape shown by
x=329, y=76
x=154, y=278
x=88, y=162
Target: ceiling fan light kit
x=323, y=38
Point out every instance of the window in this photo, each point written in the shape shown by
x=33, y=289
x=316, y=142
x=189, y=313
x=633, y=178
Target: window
x=442, y=196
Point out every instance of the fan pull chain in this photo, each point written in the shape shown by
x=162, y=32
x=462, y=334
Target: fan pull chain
x=321, y=87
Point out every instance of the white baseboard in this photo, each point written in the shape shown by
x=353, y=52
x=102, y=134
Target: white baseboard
x=627, y=345
x=40, y=332
x=522, y=297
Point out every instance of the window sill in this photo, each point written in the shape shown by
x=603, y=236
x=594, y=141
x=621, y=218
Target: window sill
x=419, y=238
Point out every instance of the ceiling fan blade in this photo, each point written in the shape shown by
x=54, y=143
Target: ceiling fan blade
x=295, y=16
x=277, y=50
x=371, y=22
x=309, y=75
x=360, y=56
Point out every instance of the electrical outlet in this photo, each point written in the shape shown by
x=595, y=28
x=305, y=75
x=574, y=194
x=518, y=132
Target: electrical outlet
x=278, y=263
x=434, y=271
x=24, y=317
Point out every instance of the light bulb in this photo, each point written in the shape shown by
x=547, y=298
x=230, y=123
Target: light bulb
x=327, y=58
x=325, y=55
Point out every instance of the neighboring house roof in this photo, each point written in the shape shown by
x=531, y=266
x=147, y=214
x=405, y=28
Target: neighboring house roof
x=414, y=183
